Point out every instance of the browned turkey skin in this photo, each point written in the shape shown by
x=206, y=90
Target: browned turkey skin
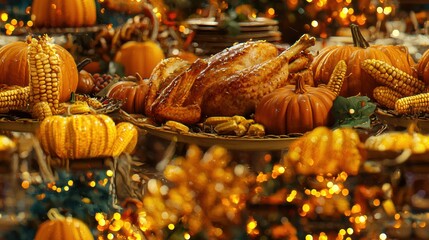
x=228, y=83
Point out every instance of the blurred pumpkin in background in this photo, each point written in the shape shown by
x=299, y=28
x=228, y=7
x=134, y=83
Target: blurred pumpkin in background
x=139, y=57
x=63, y=13
x=61, y=227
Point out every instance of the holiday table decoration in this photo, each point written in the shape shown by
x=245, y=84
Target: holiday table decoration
x=358, y=81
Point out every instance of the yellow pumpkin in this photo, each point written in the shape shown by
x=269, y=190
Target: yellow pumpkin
x=86, y=136
x=60, y=227
x=139, y=57
x=63, y=13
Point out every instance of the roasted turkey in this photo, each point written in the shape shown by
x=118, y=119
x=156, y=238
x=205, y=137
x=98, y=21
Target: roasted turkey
x=230, y=82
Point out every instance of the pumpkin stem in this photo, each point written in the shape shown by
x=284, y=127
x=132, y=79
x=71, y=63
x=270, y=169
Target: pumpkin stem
x=83, y=63
x=73, y=97
x=54, y=214
x=139, y=77
x=300, y=85
x=358, y=39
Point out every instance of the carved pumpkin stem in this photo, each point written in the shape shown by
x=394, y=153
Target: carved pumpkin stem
x=300, y=85
x=358, y=39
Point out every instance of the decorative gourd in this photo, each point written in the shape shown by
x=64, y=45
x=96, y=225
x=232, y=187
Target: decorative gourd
x=299, y=108
x=422, y=67
x=63, y=13
x=323, y=151
x=139, y=57
x=358, y=81
x=86, y=82
x=132, y=94
x=16, y=54
x=61, y=227
x=85, y=136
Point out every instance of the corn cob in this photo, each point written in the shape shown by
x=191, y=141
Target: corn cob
x=238, y=119
x=176, y=126
x=212, y=121
x=393, y=77
x=337, y=77
x=78, y=107
x=92, y=102
x=13, y=99
x=126, y=140
x=256, y=129
x=386, y=96
x=44, y=71
x=413, y=104
x=226, y=127
x=240, y=130
x=41, y=110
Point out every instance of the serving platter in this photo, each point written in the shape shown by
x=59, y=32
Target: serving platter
x=211, y=22
x=244, y=143
x=401, y=122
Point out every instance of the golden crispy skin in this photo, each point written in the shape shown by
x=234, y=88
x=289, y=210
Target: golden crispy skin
x=161, y=77
x=239, y=93
x=183, y=104
x=230, y=82
x=169, y=104
x=230, y=61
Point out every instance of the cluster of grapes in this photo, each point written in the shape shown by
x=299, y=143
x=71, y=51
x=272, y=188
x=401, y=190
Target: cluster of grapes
x=203, y=191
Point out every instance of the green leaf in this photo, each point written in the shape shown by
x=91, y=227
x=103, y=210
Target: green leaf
x=353, y=111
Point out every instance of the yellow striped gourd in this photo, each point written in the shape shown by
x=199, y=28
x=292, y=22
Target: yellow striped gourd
x=85, y=136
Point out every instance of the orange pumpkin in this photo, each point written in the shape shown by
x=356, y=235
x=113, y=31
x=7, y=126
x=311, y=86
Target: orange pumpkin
x=63, y=13
x=86, y=82
x=60, y=227
x=358, y=81
x=139, y=57
x=422, y=67
x=132, y=93
x=127, y=6
x=295, y=108
x=14, y=68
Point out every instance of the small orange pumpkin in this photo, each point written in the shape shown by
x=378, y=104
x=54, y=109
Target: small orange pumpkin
x=63, y=13
x=61, y=227
x=422, y=67
x=295, y=108
x=139, y=57
x=132, y=93
x=86, y=82
x=16, y=54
